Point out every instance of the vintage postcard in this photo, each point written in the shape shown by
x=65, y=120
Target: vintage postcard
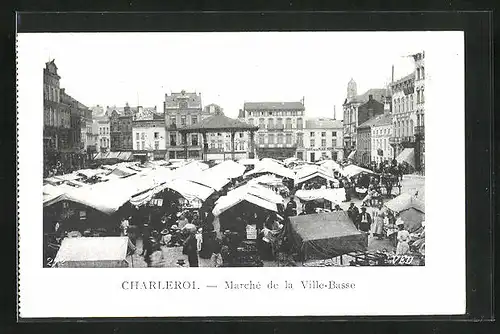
x=272, y=167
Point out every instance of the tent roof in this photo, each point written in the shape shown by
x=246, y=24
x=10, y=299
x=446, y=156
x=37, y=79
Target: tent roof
x=405, y=201
x=92, y=249
x=336, y=195
x=226, y=169
x=218, y=123
x=269, y=166
x=239, y=195
x=323, y=225
x=353, y=170
x=248, y=161
x=329, y=164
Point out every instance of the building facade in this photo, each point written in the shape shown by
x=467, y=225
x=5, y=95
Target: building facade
x=381, y=133
x=419, y=59
x=182, y=109
x=404, y=116
x=323, y=139
x=104, y=136
x=62, y=125
x=281, y=128
x=366, y=112
x=121, y=127
x=363, y=143
x=352, y=117
x=149, y=136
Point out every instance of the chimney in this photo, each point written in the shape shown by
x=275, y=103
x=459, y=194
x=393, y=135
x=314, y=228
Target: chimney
x=392, y=77
x=303, y=100
x=334, y=113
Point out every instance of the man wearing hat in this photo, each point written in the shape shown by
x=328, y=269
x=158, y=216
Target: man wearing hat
x=364, y=220
x=353, y=213
x=190, y=248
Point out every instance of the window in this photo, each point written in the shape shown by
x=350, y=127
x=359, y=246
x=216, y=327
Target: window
x=183, y=120
x=172, y=120
x=137, y=136
x=142, y=145
x=403, y=104
x=418, y=73
x=407, y=104
x=299, y=124
x=411, y=103
x=194, y=119
x=183, y=139
x=323, y=142
x=422, y=75
x=300, y=139
x=334, y=142
x=228, y=147
x=261, y=139
x=270, y=123
x=311, y=134
x=250, y=121
x=312, y=143
x=212, y=144
x=137, y=145
x=143, y=135
x=261, y=123
x=422, y=95
x=288, y=138
x=280, y=138
x=334, y=133
x=289, y=123
x=279, y=123
x=173, y=139
x=418, y=96
x=194, y=139
x=323, y=134
x=157, y=145
x=270, y=139
x=157, y=135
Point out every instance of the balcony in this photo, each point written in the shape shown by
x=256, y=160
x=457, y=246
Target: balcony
x=276, y=146
x=394, y=140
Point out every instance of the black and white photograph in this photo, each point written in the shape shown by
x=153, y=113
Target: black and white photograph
x=156, y=157
x=275, y=166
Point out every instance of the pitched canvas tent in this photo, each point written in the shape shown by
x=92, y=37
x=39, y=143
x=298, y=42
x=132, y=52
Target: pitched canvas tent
x=409, y=208
x=335, y=195
x=94, y=252
x=325, y=235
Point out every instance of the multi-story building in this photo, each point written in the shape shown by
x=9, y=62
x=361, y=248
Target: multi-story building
x=57, y=117
x=419, y=59
x=381, y=132
x=352, y=115
x=104, y=137
x=281, y=128
x=62, y=140
x=86, y=127
x=367, y=111
x=323, y=139
x=182, y=109
x=149, y=135
x=404, y=116
x=121, y=125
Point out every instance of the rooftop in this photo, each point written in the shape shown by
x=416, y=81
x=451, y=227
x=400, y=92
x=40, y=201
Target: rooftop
x=380, y=120
x=410, y=76
x=193, y=99
x=379, y=95
x=273, y=105
x=218, y=123
x=323, y=123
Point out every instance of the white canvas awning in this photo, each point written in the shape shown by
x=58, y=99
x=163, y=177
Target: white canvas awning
x=335, y=195
x=226, y=169
x=95, y=252
x=270, y=166
x=408, y=156
x=353, y=170
x=351, y=155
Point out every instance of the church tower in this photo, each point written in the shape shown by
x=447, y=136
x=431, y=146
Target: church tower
x=352, y=89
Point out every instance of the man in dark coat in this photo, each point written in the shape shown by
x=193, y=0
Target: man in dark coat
x=364, y=220
x=190, y=249
x=353, y=213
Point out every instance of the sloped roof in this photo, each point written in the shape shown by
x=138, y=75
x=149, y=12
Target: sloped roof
x=405, y=78
x=323, y=123
x=219, y=123
x=378, y=94
x=404, y=202
x=384, y=119
x=273, y=105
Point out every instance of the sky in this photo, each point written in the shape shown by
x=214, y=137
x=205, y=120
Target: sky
x=226, y=68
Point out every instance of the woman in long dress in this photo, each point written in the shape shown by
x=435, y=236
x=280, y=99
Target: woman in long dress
x=403, y=238
x=378, y=230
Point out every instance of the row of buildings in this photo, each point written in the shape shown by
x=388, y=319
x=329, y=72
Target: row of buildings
x=283, y=130
x=388, y=123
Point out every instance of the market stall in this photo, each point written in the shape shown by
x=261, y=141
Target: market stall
x=94, y=252
x=325, y=235
x=335, y=196
x=410, y=209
